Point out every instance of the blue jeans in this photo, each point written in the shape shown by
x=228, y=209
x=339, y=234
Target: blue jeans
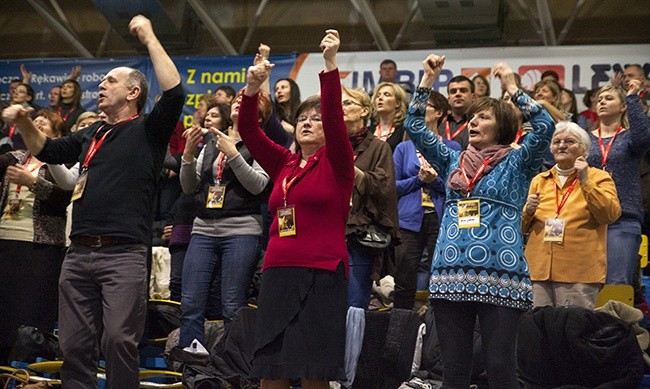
x=235, y=257
x=623, y=240
x=360, y=284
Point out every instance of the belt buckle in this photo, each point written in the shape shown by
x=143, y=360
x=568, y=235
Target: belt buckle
x=97, y=242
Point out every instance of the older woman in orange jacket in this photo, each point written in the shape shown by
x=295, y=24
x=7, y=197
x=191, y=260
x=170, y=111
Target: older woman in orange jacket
x=566, y=215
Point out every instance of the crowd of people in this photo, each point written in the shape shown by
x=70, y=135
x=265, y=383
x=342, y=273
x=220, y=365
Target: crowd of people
x=505, y=204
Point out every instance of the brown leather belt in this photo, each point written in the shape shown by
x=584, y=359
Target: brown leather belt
x=99, y=241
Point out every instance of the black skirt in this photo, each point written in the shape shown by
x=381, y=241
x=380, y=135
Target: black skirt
x=300, y=326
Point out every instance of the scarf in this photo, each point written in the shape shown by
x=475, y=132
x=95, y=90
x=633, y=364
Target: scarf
x=472, y=160
x=358, y=137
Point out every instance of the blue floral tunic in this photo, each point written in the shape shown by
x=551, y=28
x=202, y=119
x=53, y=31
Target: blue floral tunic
x=485, y=263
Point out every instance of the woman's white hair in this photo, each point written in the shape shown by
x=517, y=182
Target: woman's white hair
x=575, y=130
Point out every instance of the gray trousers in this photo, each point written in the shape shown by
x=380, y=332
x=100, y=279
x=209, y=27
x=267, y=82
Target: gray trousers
x=102, y=292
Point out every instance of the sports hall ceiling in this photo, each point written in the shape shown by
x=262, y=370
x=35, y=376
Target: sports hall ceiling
x=98, y=28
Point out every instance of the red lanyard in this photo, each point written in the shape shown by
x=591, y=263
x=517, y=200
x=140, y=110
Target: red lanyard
x=60, y=111
x=11, y=130
x=95, y=144
x=520, y=133
x=221, y=164
x=560, y=204
x=451, y=136
x=384, y=138
x=604, y=151
x=286, y=185
x=38, y=166
x=477, y=175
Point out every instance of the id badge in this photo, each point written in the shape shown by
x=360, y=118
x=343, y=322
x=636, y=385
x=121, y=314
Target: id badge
x=469, y=213
x=216, y=194
x=426, y=199
x=79, y=187
x=554, y=230
x=13, y=209
x=287, y=221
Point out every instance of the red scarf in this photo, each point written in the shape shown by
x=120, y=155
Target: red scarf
x=358, y=137
x=473, y=159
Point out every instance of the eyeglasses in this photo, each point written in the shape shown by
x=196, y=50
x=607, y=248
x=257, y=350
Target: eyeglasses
x=568, y=142
x=302, y=119
x=347, y=103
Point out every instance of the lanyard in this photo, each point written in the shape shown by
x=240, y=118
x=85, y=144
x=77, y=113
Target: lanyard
x=32, y=170
x=221, y=164
x=60, y=111
x=286, y=185
x=604, y=151
x=384, y=138
x=477, y=175
x=560, y=204
x=451, y=136
x=11, y=130
x=520, y=133
x=95, y=144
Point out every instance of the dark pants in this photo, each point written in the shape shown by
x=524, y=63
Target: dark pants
x=102, y=291
x=407, y=258
x=455, y=323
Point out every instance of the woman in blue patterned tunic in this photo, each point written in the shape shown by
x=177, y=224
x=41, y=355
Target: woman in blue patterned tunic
x=479, y=267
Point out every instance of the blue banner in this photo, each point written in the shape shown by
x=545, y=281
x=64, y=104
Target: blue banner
x=199, y=75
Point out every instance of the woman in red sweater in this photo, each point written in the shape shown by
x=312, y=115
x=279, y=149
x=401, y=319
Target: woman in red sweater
x=303, y=297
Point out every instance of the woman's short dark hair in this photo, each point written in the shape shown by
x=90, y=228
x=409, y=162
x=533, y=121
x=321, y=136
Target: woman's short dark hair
x=30, y=92
x=586, y=99
x=504, y=114
x=485, y=80
x=310, y=103
x=441, y=103
x=224, y=112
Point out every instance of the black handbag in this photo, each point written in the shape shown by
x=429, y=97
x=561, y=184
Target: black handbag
x=375, y=237
x=32, y=343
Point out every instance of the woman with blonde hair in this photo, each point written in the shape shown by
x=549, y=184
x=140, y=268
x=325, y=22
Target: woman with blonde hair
x=374, y=198
x=389, y=113
x=617, y=146
x=549, y=94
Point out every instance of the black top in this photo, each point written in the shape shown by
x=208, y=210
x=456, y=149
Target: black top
x=118, y=198
x=69, y=114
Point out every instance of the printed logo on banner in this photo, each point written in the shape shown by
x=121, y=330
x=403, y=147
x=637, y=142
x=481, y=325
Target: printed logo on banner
x=473, y=72
x=532, y=74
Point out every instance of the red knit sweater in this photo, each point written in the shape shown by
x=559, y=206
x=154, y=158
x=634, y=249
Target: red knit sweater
x=321, y=195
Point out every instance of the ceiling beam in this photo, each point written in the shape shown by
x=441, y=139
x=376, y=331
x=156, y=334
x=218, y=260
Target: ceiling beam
x=569, y=22
x=531, y=19
x=364, y=9
x=546, y=22
x=405, y=25
x=55, y=25
x=253, y=26
x=212, y=27
x=104, y=42
x=63, y=18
